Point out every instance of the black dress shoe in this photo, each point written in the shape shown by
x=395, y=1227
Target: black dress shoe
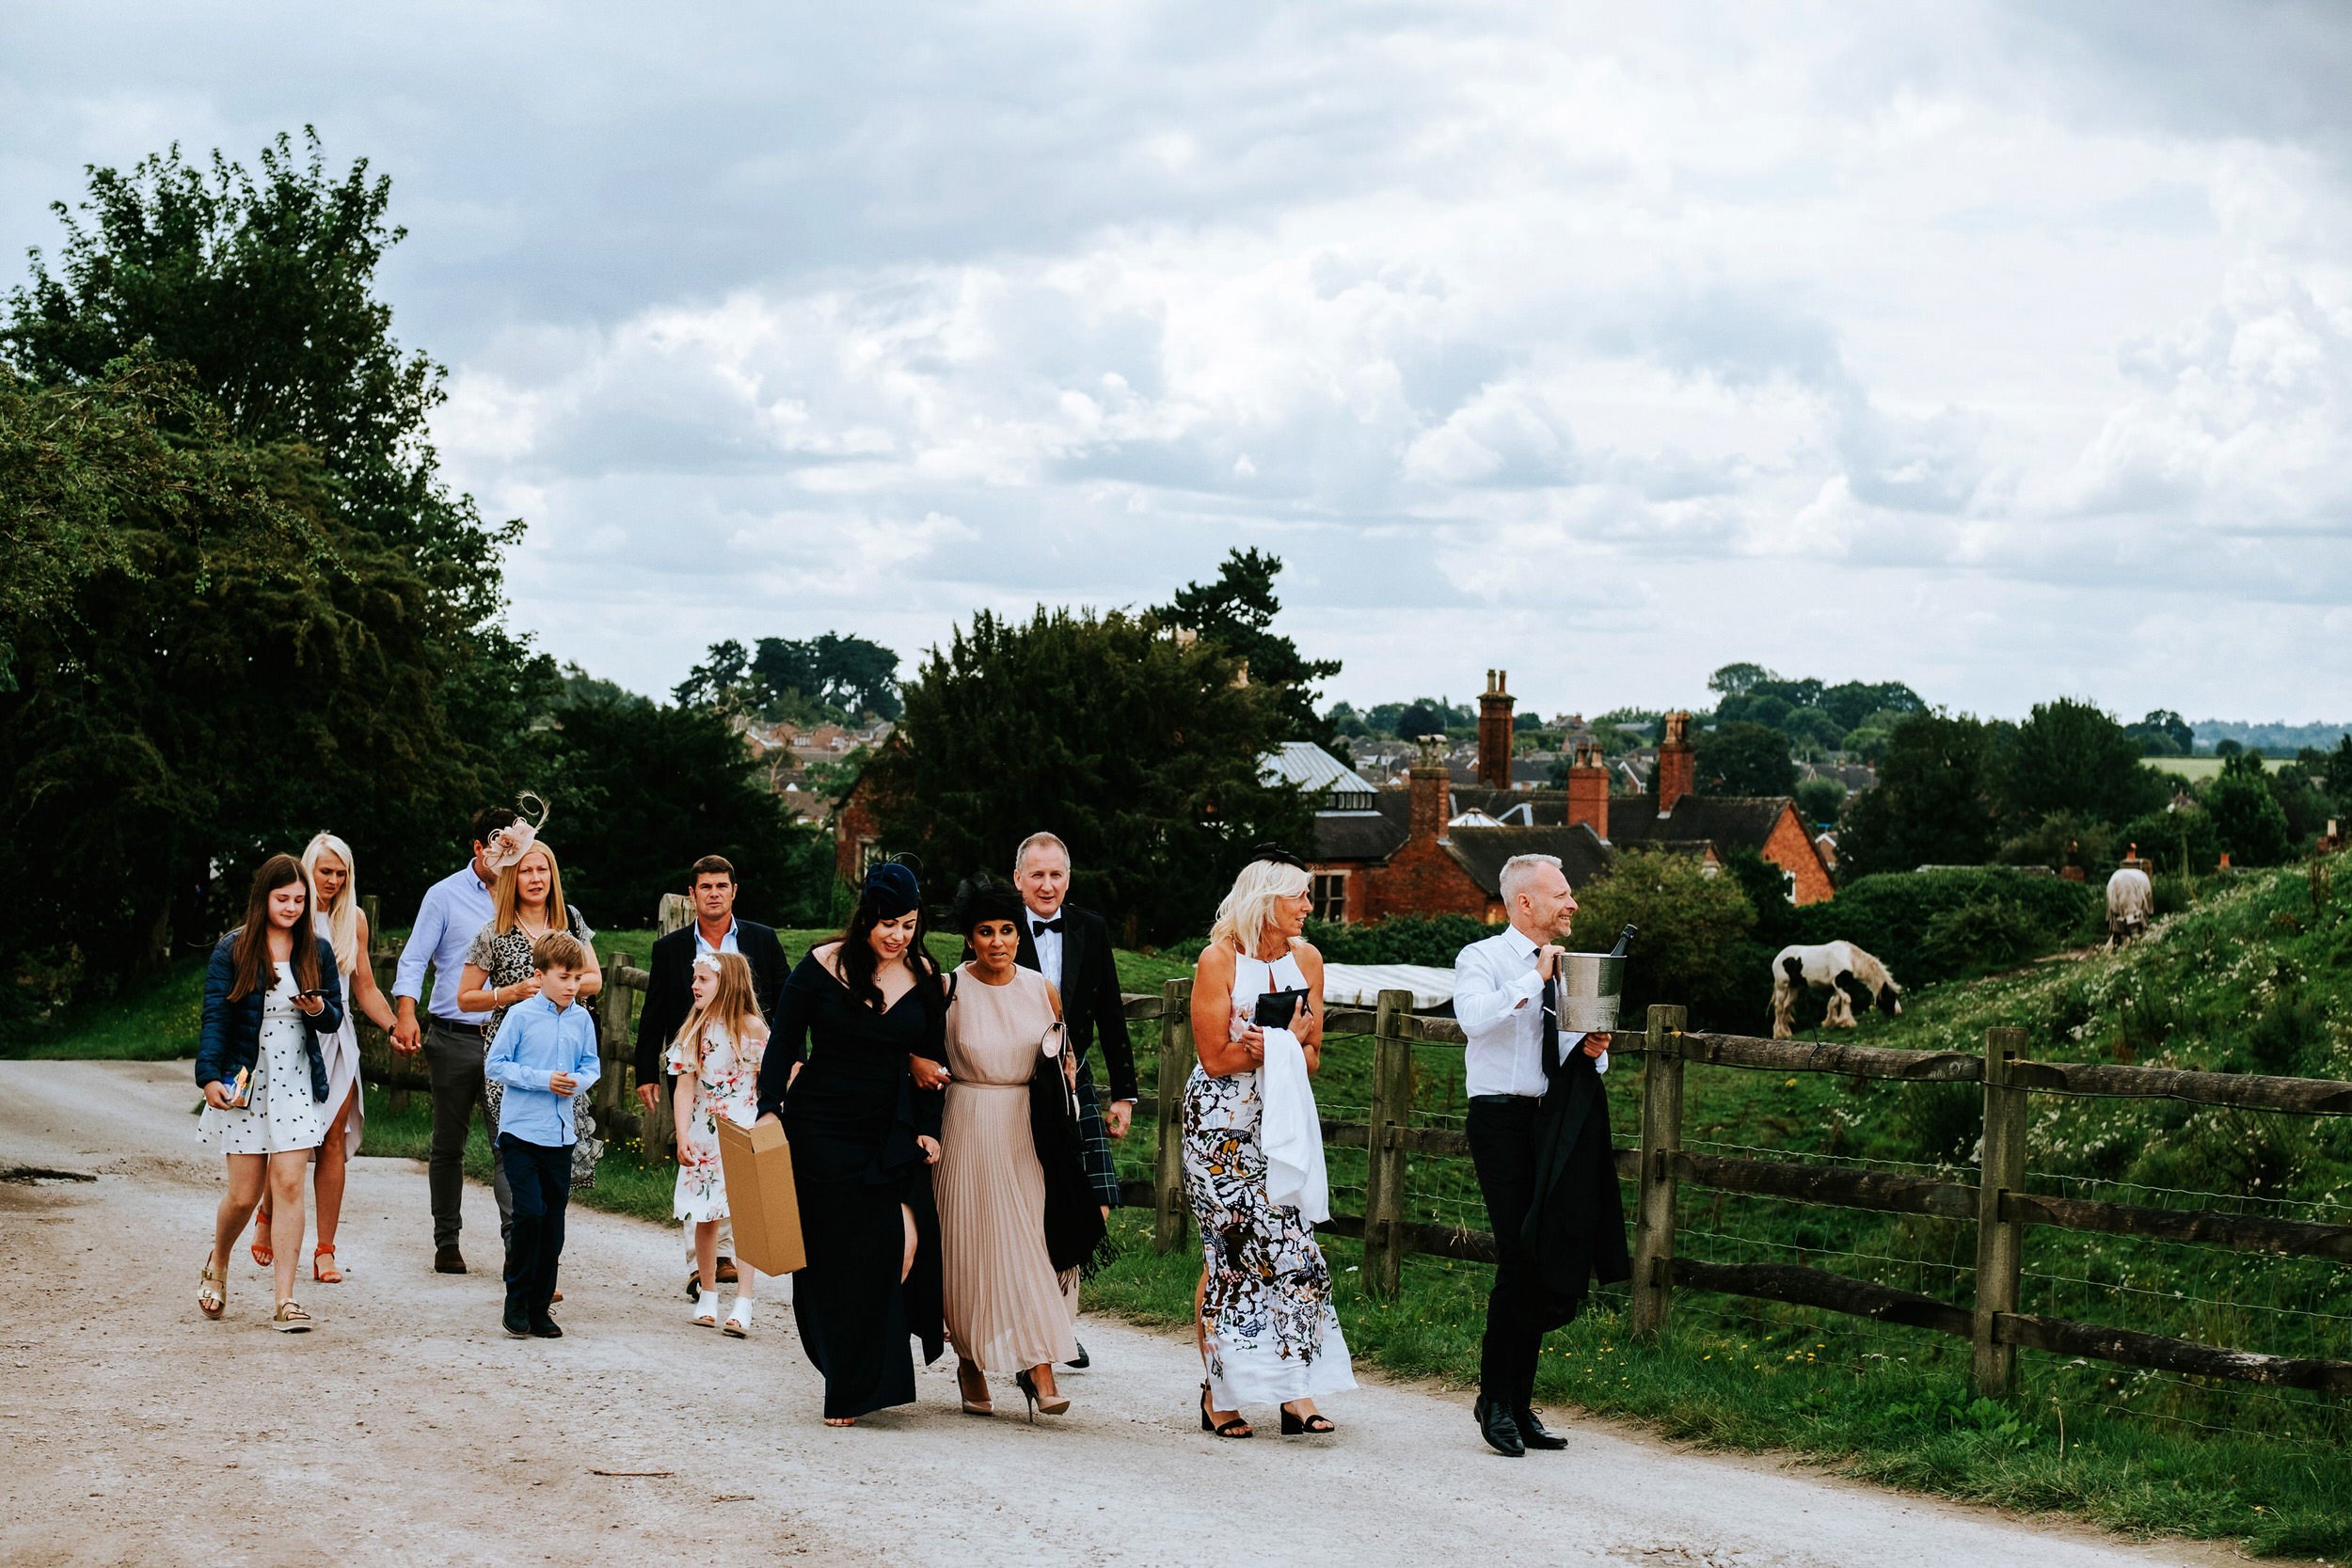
x=546, y=1329
x=448, y=1259
x=1081, y=1360
x=517, y=1325
x=1532, y=1432
x=1496, y=1427
x=693, y=1285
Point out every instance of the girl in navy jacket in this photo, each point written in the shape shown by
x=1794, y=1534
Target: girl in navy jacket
x=270, y=993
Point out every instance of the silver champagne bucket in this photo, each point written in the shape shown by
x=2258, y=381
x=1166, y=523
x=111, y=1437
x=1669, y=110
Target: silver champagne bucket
x=1586, y=995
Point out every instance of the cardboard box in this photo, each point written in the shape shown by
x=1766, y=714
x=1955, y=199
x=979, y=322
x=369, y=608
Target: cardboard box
x=761, y=1198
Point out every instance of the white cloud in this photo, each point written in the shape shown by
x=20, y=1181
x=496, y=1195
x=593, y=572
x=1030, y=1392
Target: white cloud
x=1839, y=339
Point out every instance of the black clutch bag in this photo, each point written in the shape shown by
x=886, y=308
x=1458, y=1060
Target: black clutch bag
x=1275, y=1006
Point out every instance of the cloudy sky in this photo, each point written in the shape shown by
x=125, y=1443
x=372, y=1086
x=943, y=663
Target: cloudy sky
x=2004, y=349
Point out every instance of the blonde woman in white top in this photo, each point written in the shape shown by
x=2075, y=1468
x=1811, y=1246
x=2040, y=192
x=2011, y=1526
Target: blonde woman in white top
x=1267, y=1330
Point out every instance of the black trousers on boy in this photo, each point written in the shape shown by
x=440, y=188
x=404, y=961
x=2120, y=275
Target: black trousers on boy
x=1501, y=1131
x=540, y=1178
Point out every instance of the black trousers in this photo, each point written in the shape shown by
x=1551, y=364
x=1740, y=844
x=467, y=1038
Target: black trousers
x=453, y=1058
x=1503, y=1150
x=540, y=1178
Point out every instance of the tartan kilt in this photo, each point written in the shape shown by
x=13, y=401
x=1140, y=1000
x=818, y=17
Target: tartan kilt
x=1094, y=1139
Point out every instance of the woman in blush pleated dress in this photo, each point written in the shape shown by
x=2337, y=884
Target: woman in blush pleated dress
x=1007, y=1307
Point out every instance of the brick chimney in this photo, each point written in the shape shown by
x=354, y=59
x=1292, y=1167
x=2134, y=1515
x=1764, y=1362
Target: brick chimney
x=1430, y=789
x=1494, y=731
x=1677, y=764
x=1588, y=788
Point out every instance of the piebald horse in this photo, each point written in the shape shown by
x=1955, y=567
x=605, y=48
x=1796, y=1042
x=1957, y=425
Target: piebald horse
x=1850, y=977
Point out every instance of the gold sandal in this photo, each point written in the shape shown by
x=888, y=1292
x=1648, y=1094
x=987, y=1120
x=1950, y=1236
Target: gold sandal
x=212, y=1291
x=290, y=1318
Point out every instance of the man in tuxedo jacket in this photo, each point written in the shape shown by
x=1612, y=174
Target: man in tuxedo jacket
x=670, y=996
x=1071, y=947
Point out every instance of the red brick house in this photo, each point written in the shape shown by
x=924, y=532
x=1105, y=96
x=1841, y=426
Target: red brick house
x=1438, y=848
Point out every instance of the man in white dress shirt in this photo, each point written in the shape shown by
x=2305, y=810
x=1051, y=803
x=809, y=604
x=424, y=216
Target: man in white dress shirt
x=1499, y=1001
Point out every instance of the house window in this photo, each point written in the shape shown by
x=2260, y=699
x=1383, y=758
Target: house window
x=1330, y=896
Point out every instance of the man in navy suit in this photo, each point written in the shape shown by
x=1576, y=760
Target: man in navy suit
x=670, y=996
x=1071, y=947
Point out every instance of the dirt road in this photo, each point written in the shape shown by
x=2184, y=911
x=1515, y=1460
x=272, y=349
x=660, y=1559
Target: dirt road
x=408, y=1430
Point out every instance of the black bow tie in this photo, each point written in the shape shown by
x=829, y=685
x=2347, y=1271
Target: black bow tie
x=1038, y=927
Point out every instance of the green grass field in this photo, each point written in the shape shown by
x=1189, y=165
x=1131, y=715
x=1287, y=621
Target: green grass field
x=2256, y=977
x=2194, y=769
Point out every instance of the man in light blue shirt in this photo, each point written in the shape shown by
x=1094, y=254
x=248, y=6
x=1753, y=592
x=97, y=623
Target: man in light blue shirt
x=546, y=1058
x=455, y=909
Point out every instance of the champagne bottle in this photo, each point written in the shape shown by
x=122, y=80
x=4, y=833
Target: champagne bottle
x=1625, y=943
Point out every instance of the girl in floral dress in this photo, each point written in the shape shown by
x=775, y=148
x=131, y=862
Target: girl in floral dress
x=717, y=1051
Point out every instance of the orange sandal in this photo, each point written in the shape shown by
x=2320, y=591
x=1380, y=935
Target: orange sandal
x=323, y=1267
x=264, y=1254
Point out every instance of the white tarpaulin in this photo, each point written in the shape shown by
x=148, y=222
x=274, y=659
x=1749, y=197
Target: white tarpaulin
x=1361, y=985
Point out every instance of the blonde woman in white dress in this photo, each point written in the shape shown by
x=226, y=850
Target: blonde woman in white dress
x=270, y=994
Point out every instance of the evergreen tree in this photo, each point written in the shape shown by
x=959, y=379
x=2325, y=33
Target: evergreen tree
x=1143, y=753
x=1236, y=612
x=1932, y=803
x=1744, y=758
x=2074, y=756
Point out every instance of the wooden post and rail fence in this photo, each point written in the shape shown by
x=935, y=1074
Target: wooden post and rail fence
x=1998, y=1204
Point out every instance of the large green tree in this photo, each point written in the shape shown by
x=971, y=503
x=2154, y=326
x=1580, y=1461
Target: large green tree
x=1744, y=758
x=640, y=792
x=2072, y=756
x=806, y=682
x=224, y=667
x=1140, y=749
x=2247, y=817
x=1932, y=802
x=361, y=617
x=1236, y=612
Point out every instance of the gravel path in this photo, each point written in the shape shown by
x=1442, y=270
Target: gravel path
x=408, y=1430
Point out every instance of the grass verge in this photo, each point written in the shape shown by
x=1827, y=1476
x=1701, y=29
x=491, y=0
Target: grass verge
x=1727, y=1378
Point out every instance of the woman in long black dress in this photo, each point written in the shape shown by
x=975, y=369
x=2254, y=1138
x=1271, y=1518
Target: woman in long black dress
x=854, y=1017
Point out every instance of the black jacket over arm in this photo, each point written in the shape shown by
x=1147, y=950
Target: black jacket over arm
x=1090, y=1001
x=670, y=988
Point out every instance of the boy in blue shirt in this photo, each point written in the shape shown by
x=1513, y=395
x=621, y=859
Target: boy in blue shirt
x=545, y=1055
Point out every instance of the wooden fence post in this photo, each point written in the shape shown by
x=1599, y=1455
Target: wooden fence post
x=658, y=1134
x=1168, y=1176
x=1384, y=1146
x=1661, y=1140
x=615, y=1045
x=383, y=961
x=2000, y=1242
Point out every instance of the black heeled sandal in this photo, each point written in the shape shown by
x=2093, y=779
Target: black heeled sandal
x=1053, y=1404
x=1238, y=1427
x=1298, y=1426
